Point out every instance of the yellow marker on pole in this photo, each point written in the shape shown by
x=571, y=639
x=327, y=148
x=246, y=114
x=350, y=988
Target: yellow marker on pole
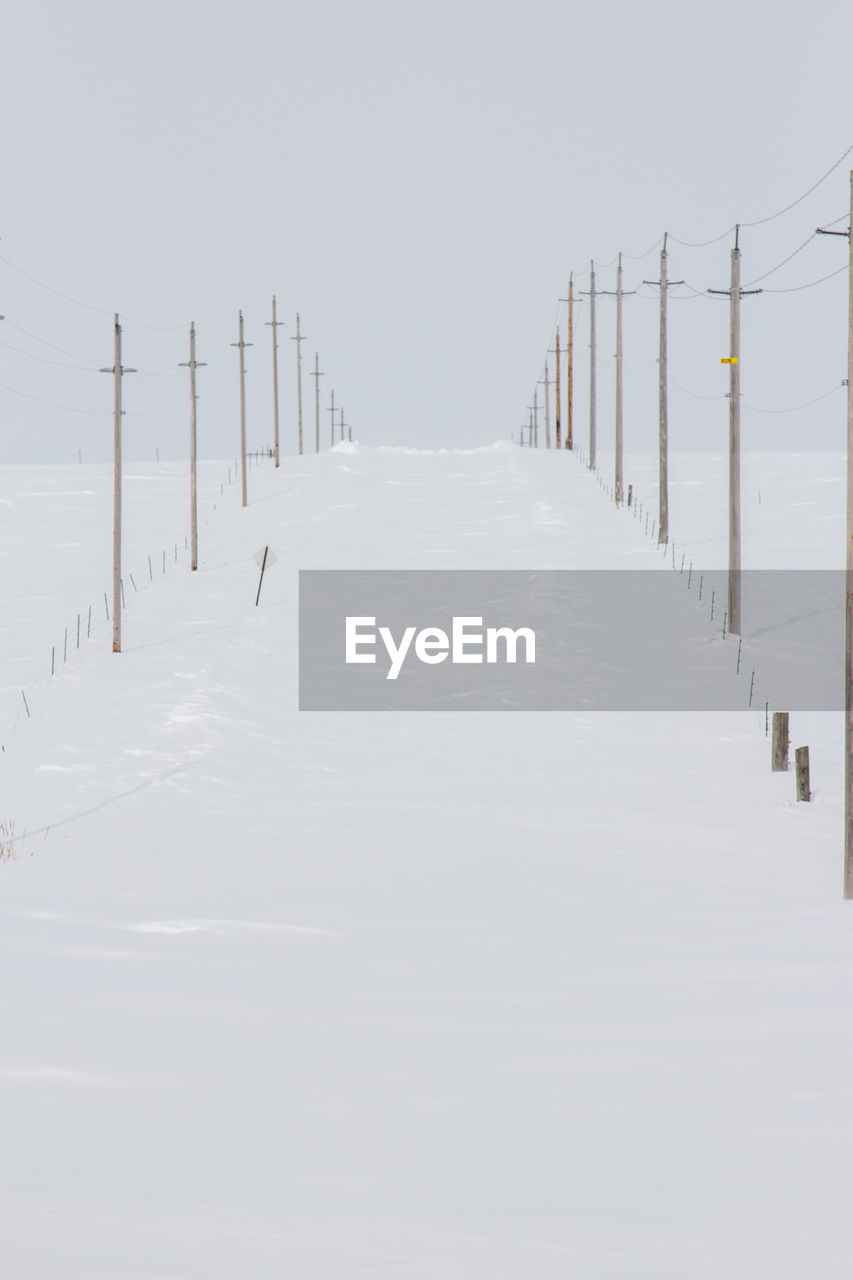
x=728, y=359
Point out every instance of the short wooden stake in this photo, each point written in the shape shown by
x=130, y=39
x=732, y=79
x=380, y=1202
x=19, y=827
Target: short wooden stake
x=779, y=746
x=801, y=761
x=26, y=704
x=630, y=493
x=150, y=571
x=52, y=659
x=89, y=630
x=106, y=607
x=78, y=630
x=261, y=579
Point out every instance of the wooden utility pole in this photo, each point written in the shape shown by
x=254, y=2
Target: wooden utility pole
x=535, y=418
x=117, y=370
x=192, y=364
x=557, y=440
x=618, y=481
x=734, y=445
x=546, y=384
x=848, y=615
x=618, y=475
x=274, y=325
x=663, y=410
x=341, y=412
x=591, y=463
x=332, y=412
x=570, y=355
x=242, y=345
x=735, y=294
x=663, y=399
x=317, y=375
x=298, y=339
x=848, y=658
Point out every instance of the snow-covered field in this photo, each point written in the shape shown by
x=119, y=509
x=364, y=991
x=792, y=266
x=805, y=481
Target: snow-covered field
x=422, y=997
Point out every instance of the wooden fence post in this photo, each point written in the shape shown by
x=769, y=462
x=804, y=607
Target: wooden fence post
x=801, y=758
x=779, y=750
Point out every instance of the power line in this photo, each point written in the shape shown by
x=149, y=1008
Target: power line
x=44, y=343
x=99, y=413
x=784, y=261
x=811, y=283
x=695, y=395
x=703, y=244
x=635, y=257
x=56, y=293
x=87, y=306
x=58, y=364
x=759, y=222
x=795, y=408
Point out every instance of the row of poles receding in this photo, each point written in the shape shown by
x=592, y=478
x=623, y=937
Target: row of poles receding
x=118, y=370
x=735, y=293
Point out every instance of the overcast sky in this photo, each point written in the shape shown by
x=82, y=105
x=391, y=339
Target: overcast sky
x=417, y=180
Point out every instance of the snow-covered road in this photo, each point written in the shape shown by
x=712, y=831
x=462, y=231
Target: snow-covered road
x=406, y=996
